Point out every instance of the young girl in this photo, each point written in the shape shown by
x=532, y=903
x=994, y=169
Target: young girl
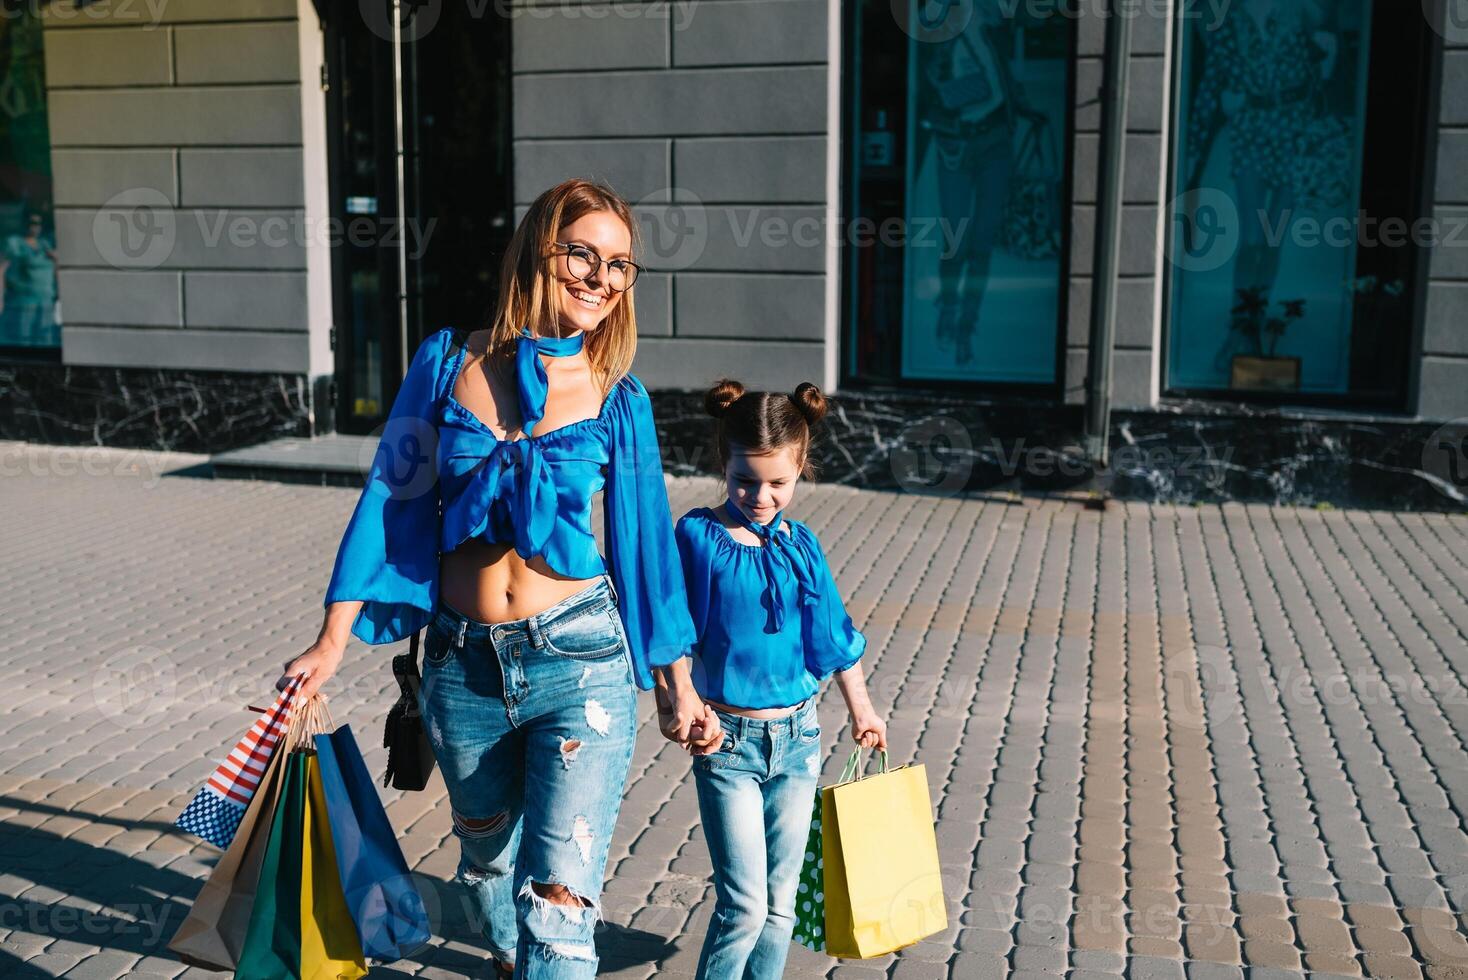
x=770, y=626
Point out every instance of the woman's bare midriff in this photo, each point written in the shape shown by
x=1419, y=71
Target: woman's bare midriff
x=759, y=714
x=491, y=583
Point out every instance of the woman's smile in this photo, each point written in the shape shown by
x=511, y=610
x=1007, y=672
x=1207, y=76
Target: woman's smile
x=592, y=301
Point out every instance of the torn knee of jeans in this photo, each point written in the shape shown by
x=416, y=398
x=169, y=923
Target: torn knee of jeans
x=571, y=951
x=546, y=897
x=476, y=827
x=473, y=874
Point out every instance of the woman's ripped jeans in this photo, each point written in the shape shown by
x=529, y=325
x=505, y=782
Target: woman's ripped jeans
x=533, y=722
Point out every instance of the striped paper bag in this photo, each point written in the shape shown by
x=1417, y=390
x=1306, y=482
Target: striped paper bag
x=215, y=811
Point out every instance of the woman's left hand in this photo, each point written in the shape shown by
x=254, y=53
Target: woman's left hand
x=869, y=731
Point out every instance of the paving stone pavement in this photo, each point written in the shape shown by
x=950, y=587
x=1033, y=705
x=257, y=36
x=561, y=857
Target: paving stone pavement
x=1162, y=741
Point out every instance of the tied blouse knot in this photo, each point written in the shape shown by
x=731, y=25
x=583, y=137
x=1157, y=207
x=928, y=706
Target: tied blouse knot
x=806, y=633
x=441, y=476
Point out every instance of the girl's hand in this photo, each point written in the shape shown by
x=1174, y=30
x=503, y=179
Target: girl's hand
x=869, y=731
x=319, y=662
x=707, y=735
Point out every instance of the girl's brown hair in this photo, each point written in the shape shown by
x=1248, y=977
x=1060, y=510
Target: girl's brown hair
x=528, y=297
x=766, y=421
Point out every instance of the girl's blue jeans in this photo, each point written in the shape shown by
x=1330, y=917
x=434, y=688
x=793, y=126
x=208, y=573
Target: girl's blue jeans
x=532, y=723
x=755, y=796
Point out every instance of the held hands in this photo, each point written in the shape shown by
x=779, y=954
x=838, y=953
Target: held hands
x=684, y=718
x=868, y=730
x=706, y=735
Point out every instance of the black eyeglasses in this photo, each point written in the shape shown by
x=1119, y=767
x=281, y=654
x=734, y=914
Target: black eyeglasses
x=583, y=263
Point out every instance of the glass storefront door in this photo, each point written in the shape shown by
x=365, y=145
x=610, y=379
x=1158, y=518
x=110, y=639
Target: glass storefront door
x=1296, y=165
x=401, y=272
x=957, y=218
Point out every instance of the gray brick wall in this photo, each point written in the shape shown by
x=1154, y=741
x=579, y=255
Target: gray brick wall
x=198, y=113
x=190, y=113
x=719, y=105
x=1442, y=378
x=1135, y=367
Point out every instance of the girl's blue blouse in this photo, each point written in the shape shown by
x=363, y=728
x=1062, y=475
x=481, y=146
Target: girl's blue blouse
x=440, y=476
x=736, y=661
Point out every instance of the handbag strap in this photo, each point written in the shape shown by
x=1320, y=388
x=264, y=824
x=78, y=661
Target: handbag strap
x=405, y=669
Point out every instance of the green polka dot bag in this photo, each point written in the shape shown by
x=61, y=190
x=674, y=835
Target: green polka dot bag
x=810, y=897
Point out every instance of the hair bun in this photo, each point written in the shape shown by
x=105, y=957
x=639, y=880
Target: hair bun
x=811, y=403
x=725, y=392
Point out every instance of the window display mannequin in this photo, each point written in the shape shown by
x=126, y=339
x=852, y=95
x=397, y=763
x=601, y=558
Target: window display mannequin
x=968, y=102
x=1261, y=82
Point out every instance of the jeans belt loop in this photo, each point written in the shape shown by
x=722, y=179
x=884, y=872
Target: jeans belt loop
x=537, y=640
x=612, y=586
x=463, y=628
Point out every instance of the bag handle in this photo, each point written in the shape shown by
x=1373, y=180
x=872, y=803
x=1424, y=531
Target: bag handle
x=307, y=719
x=854, y=766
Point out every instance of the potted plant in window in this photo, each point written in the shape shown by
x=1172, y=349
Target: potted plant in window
x=1264, y=369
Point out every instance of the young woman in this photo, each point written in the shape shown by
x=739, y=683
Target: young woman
x=476, y=523
x=770, y=625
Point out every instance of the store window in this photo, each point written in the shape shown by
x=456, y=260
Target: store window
x=959, y=123
x=29, y=309
x=1297, y=162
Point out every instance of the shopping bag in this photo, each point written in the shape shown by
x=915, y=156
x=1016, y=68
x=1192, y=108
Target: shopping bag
x=217, y=810
x=1031, y=213
x=213, y=933
x=391, y=919
x=272, y=949
x=810, y=899
x=330, y=949
x=881, y=879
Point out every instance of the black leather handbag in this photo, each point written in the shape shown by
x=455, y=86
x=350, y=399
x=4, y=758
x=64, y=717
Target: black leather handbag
x=409, y=755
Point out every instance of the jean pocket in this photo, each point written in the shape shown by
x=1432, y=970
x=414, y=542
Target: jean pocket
x=720, y=757
x=593, y=635
x=811, y=734
x=438, y=646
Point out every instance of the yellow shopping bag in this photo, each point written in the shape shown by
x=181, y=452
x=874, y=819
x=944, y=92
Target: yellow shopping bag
x=880, y=855
x=330, y=948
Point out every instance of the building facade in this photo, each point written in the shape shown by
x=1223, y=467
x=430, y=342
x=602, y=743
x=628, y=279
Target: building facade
x=251, y=211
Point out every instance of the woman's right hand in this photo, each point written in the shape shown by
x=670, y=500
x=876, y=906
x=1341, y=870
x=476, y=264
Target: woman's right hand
x=319, y=662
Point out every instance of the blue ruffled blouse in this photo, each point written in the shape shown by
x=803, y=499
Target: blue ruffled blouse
x=769, y=618
x=440, y=476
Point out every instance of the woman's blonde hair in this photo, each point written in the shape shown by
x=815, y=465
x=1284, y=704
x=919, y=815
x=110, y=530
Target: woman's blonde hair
x=528, y=296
